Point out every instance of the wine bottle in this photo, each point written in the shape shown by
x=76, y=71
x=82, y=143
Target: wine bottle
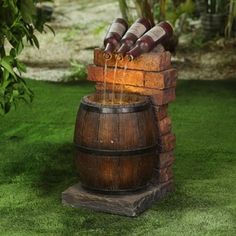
x=171, y=44
x=113, y=36
x=156, y=35
x=136, y=30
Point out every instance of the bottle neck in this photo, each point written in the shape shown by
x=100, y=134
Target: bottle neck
x=135, y=52
x=109, y=49
x=123, y=49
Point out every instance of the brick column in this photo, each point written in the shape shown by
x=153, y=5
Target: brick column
x=152, y=75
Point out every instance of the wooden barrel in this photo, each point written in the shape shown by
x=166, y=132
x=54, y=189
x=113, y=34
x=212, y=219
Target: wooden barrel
x=115, y=144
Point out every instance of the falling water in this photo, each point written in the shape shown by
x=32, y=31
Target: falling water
x=105, y=82
x=123, y=81
x=114, y=80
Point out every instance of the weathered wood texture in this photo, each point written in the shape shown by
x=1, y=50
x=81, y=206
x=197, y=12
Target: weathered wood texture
x=128, y=205
x=151, y=61
x=117, y=133
x=148, y=79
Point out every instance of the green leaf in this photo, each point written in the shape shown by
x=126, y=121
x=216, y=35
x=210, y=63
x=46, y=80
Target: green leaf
x=13, y=52
x=12, y=5
x=15, y=93
x=20, y=66
x=36, y=42
x=52, y=30
x=17, y=23
x=19, y=47
x=28, y=10
x=6, y=64
x=5, y=81
x=30, y=41
x=7, y=107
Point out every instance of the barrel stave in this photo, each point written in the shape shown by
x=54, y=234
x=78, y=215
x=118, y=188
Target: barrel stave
x=114, y=173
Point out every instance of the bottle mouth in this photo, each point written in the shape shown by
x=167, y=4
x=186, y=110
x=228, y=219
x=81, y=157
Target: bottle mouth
x=107, y=55
x=129, y=57
x=119, y=57
x=133, y=53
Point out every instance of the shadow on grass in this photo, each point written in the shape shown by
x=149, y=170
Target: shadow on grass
x=48, y=167
x=58, y=171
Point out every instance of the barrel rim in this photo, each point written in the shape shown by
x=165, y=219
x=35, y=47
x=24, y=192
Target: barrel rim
x=89, y=105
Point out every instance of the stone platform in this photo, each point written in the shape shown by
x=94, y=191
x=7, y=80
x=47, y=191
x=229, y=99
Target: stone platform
x=128, y=205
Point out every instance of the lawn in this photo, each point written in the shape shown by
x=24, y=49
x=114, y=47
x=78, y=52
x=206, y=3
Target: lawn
x=36, y=165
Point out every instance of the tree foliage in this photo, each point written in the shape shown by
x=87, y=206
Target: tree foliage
x=18, y=24
x=174, y=11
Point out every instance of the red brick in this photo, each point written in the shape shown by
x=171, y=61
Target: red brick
x=165, y=174
x=152, y=61
x=159, y=97
x=166, y=143
x=132, y=77
x=156, y=80
x=164, y=159
x=162, y=175
x=160, y=111
x=161, y=80
x=95, y=73
x=164, y=126
x=167, y=187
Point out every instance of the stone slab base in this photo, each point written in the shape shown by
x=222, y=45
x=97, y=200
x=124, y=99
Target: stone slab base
x=128, y=205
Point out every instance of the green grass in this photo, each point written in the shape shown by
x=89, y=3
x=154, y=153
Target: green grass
x=36, y=165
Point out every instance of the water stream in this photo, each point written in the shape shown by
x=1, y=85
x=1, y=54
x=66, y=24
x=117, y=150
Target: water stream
x=114, y=80
x=105, y=82
x=123, y=82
